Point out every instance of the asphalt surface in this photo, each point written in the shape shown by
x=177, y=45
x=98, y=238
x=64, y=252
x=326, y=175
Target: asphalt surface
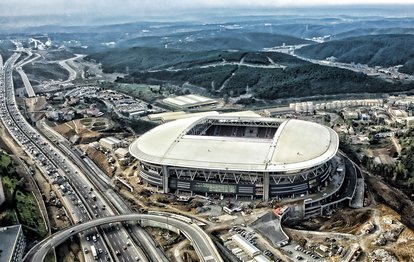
x=56, y=165
x=94, y=173
x=199, y=239
x=76, y=193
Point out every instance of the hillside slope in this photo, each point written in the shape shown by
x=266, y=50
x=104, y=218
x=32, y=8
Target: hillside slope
x=205, y=40
x=374, y=50
x=149, y=58
x=266, y=75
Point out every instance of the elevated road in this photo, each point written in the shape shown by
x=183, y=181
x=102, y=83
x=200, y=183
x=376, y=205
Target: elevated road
x=54, y=164
x=97, y=178
x=58, y=162
x=26, y=82
x=201, y=242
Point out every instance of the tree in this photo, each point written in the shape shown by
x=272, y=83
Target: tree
x=226, y=98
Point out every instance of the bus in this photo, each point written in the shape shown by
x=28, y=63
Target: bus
x=94, y=254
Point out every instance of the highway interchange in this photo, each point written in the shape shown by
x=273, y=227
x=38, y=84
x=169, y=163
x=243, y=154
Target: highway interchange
x=75, y=190
x=53, y=163
x=200, y=240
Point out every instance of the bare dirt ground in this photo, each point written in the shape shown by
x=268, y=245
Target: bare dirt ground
x=75, y=127
x=177, y=248
x=100, y=160
x=35, y=105
x=403, y=248
x=349, y=223
x=69, y=252
x=344, y=221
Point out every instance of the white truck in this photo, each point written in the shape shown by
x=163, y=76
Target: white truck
x=94, y=253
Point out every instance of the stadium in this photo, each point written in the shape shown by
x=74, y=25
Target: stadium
x=237, y=155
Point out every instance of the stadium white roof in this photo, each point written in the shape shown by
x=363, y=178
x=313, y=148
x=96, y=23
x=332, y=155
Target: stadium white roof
x=296, y=145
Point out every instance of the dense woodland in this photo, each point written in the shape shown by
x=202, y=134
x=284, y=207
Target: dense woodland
x=138, y=59
x=298, y=79
x=373, y=50
x=221, y=74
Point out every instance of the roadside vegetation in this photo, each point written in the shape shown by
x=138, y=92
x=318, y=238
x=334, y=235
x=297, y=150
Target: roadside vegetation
x=20, y=206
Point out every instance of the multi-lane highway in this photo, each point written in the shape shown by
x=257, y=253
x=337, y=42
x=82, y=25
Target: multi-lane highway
x=101, y=184
x=88, y=200
x=201, y=242
x=58, y=168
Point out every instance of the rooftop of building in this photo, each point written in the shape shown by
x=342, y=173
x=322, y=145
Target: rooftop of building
x=110, y=140
x=188, y=101
x=8, y=240
x=122, y=151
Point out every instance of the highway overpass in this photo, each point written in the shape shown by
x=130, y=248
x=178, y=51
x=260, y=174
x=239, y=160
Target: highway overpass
x=201, y=242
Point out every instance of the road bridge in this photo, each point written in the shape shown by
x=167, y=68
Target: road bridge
x=201, y=242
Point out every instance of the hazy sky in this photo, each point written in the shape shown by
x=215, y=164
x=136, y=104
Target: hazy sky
x=153, y=7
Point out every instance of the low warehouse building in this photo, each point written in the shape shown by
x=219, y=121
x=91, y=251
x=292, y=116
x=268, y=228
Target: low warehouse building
x=245, y=245
x=110, y=143
x=122, y=152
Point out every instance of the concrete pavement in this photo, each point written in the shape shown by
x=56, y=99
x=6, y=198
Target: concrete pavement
x=199, y=239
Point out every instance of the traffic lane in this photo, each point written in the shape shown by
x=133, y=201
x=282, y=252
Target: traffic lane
x=75, y=209
x=53, y=158
x=99, y=210
x=199, y=238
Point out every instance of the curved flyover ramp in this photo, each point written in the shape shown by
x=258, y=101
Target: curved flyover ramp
x=201, y=242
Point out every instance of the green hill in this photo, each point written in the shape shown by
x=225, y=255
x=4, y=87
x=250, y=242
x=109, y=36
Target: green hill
x=296, y=81
x=373, y=50
x=258, y=74
x=148, y=58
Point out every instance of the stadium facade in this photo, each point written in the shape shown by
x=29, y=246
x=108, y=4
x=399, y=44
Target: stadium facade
x=239, y=156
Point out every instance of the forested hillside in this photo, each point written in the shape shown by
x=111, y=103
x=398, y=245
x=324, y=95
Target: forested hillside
x=267, y=75
x=374, y=50
x=297, y=81
x=148, y=59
